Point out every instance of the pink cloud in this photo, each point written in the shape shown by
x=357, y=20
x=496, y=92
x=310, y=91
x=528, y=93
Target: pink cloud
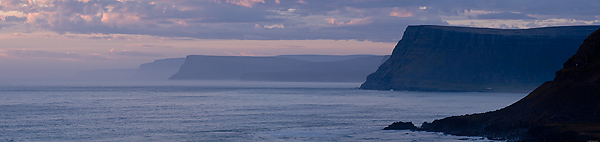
x=148, y=46
x=353, y=22
x=132, y=53
x=2, y=53
x=87, y=18
x=112, y=19
x=401, y=12
x=72, y=56
x=302, y=2
x=33, y=17
x=246, y=3
x=247, y=19
x=40, y=54
x=330, y=20
x=248, y=53
x=9, y=5
x=19, y=35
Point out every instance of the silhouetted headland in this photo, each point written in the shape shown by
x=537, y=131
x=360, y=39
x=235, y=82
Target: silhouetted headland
x=446, y=58
x=160, y=69
x=565, y=109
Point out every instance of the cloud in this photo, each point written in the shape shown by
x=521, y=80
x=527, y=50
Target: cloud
x=274, y=19
x=248, y=53
x=24, y=53
x=70, y=56
x=521, y=24
x=401, y=12
x=503, y=15
x=149, y=46
x=49, y=55
x=351, y=22
x=12, y=19
x=128, y=53
x=246, y=3
x=274, y=26
x=7, y=21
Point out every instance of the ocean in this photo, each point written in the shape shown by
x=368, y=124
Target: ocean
x=226, y=111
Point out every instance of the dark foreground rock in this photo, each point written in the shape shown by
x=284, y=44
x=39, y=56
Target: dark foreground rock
x=445, y=58
x=566, y=109
x=401, y=126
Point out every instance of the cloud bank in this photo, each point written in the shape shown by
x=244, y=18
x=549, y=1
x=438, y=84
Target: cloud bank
x=373, y=20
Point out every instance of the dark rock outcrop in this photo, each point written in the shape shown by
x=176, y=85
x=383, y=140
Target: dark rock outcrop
x=443, y=58
x=401, y=126
x=565, y=109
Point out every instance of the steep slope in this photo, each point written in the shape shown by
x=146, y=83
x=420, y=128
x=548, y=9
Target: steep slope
x=160, y=69
x=565, y=109
x=443, y=58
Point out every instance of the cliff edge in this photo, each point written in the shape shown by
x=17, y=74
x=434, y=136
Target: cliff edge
x=160, y=69
x=446, y=58
x=565, y=109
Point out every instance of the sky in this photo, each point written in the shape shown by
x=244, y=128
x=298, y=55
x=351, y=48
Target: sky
x=57, y=38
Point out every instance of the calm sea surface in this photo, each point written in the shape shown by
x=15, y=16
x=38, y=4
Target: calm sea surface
x=226, y=111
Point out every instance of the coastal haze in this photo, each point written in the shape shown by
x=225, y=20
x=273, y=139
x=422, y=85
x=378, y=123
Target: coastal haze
x=298, y=70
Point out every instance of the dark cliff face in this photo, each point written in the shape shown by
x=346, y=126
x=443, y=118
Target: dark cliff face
x=585, y=65
x=565, y=109
x=442, y=58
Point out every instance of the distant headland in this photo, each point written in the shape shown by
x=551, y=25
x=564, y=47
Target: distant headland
x=283, y=68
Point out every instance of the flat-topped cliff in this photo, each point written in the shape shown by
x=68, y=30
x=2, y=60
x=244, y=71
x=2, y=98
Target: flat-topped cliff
x=445, y=58
x=565, y=109
x=285, y=68
x=202, y=67
x=347, y=70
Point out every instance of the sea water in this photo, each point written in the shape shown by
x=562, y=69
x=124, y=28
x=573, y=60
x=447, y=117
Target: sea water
x=226, y=111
